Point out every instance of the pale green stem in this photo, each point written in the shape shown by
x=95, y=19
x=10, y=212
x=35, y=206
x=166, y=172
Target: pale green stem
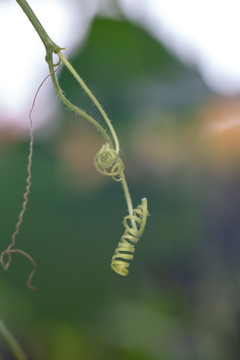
x=74, y=107
x=12, y=342
x=127, y=194
x=92, y=97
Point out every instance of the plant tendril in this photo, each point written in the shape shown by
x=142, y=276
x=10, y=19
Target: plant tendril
x=10, y=249
x=125, y=249
x=29, y=257
x=108, y=163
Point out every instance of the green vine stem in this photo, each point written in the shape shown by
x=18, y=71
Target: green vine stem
x=11, y=342
x=74, y=107
x=92, y=97
x=107, y=161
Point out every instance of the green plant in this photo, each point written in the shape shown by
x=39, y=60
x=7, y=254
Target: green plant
x=107, y=160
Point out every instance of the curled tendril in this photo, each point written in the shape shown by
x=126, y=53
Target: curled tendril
x=134, y=226
x=10, y=249
x=108, y=162
x=5, y=265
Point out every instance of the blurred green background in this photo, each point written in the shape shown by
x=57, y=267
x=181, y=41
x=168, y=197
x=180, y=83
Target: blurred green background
x=181, y=298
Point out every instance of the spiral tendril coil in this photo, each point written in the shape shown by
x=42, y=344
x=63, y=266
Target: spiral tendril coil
x=108, y=162
x=134, y=226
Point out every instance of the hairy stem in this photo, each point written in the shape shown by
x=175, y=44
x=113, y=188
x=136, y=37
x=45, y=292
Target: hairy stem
x=92, y=97
x=74, y=107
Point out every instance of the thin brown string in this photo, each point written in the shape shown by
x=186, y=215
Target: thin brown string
x=29, y=257
x=10, y=249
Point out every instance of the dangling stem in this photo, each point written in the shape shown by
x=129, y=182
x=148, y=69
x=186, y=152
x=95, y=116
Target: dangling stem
x=92, y=97
x=89, y=118
x=106, y=118
x=74, y=107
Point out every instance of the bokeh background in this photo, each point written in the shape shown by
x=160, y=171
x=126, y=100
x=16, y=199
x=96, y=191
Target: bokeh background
x=180, y=143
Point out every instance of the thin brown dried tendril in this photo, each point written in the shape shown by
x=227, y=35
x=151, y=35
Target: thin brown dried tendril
x=29, y=257
x=10, y=249
x=108, y=162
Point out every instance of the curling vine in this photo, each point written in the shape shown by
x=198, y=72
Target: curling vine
x=107, y=160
